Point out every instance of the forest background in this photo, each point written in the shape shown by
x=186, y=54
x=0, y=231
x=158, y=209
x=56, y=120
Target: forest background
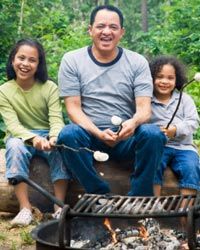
x=153, y=27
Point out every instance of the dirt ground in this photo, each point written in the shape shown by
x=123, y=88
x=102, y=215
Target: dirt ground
x=18, y=238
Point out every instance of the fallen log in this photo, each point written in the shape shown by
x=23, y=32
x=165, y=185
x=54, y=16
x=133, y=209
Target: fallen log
x=116, y=173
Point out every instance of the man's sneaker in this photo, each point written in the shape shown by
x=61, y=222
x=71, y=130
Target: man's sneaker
x=23, y=218
x=57, y=213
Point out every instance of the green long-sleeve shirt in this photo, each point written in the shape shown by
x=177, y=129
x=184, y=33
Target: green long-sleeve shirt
x=37, y=108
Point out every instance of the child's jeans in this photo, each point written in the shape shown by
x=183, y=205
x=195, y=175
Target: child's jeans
x=18, y=156
x=185, y=164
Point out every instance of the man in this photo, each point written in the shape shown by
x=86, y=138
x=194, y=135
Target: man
x=96, y=83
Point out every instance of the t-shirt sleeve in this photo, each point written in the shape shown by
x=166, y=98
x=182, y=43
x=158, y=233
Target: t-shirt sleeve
x=68, y=81
x=190, y=121
x=143, y=85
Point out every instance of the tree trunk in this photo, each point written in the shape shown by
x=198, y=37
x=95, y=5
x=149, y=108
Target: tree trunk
x=19, y=32
x=144, y=15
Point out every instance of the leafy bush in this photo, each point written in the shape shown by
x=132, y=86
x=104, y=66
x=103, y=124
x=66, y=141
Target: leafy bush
x=61, y=26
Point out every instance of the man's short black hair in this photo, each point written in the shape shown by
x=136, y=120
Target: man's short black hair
x=107, y=7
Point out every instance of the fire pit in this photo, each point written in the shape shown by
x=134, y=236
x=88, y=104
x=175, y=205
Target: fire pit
x=78, y=222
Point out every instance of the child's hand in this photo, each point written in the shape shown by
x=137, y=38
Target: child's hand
x=170, y=132
x=53, y=140
x=41, y=143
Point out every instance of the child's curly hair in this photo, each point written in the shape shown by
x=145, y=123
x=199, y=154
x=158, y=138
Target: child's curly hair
x=157, y=64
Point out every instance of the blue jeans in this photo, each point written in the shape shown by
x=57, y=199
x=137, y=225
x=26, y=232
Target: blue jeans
x=184, y=163
x=145, y=147
x=18, y=156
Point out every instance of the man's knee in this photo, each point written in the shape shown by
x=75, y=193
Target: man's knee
x=151, y=131
x=70, y=134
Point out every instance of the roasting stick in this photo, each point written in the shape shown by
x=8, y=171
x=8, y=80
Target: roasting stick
x=18, y=179
x=197, y=79
x=98, y=156
x=73, y=149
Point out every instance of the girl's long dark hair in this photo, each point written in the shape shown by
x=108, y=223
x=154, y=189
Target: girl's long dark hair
x=41, y=74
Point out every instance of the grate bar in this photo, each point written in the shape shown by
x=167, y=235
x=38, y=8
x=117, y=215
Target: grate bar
x=162, y=206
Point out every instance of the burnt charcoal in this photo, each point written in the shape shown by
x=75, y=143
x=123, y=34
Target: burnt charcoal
x=180, y=234
x=133, y=245
x=141, y=248
x=130, y=231
x=80, y=243
x=161, y=245
x=130, y=240
x=173, y=245
x=145, y=235
x=198, y=240
x=97, y=246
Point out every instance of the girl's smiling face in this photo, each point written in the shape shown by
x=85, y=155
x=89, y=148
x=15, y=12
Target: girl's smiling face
x=25, y=64
x=165, y=81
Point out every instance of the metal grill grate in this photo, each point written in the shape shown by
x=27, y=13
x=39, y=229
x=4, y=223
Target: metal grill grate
x=91, y=205
x=125, y=206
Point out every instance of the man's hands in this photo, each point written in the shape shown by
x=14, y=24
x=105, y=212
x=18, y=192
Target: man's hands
x=42, y=143
x=112, y=138
x=128, y=129
x=108, y=137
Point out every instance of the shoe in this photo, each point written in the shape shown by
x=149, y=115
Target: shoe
x=57, y=213
x=23, y=218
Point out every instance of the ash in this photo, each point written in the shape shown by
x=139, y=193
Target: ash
x=146, y=236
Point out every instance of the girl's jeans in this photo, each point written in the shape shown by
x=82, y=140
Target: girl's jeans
x=184, y=163
x=145, y=147
x=18, y=156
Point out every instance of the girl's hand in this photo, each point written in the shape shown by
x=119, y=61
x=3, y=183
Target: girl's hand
x=170, y=132
x=41, y=143
x=53, y=141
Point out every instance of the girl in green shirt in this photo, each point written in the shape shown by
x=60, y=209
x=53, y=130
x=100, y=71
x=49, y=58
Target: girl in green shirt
x=31, y=110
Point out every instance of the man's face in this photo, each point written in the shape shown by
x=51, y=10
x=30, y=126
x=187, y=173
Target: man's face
x=106, y=31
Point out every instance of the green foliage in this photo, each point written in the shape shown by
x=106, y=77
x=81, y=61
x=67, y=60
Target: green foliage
x=26, y=238
x=8, y=31
x=61, y=26
x=174, y=33
x=2, y=237
x=2, y=133
x=56, y=45
x=14, y=246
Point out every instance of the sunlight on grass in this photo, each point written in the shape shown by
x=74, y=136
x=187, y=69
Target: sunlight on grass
x=14, y=246
x=2, y=237
x=26, y=238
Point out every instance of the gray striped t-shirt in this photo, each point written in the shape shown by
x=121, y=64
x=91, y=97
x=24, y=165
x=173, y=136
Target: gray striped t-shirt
x=106, y=89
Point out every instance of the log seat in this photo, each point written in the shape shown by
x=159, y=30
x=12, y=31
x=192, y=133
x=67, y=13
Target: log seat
x=116, y=173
